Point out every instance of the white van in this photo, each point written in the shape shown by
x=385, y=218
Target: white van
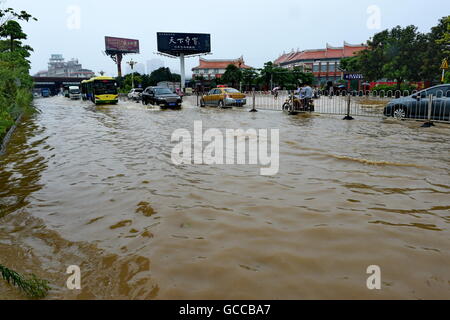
x=74, y=93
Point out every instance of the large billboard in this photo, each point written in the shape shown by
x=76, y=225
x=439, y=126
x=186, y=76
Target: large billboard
x=121, y=45
x=175, y=44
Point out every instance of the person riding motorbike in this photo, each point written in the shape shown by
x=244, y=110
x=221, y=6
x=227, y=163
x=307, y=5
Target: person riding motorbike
x=306, y=95
x=300, y=100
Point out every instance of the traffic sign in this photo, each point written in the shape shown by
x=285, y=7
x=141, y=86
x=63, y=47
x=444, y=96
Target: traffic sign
x=353, y=76
x=444, y=65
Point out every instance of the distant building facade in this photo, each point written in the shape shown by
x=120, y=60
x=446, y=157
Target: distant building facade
x=59, y=68
x=323, y=63
x=214, y=69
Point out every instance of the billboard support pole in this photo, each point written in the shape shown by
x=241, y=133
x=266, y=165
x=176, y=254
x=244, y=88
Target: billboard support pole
x=119, y=58
x=183, y=73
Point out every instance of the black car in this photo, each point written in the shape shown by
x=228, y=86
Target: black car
x=162, y=97
x=415, y=106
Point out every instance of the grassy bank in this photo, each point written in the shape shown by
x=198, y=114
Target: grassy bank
x=15, y=88
x=11, y=110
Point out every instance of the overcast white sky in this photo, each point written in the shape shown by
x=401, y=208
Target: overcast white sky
x=257, y=29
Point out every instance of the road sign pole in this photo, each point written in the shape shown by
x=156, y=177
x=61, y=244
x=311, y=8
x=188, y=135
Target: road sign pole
x=444, y=67
x=183, y=73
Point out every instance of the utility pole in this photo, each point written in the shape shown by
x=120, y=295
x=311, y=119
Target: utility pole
x=183, y=73
x=132, y=64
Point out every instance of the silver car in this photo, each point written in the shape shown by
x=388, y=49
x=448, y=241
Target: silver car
x=136, y=94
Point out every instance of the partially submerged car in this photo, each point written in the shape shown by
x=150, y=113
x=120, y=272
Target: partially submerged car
x=135, y=94
x=162, y=97
x=224, y=97
x=415, y=106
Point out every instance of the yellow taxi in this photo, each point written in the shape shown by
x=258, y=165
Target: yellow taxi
x=223, y=97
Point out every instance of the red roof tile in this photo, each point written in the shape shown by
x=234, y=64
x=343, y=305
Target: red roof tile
x=329, y=53
x=220, y=64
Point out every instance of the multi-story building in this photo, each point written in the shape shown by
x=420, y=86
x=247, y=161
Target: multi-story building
x=59, y=68
x=323, y=63
x=214, y=69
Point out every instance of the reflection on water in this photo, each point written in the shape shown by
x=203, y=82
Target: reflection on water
x=96, y=187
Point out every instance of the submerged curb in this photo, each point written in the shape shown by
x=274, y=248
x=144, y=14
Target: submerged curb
x=9, y=135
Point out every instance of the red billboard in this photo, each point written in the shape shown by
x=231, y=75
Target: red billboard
x=121, y=45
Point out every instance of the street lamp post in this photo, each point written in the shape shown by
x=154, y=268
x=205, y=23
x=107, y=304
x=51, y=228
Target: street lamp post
x=132, y=64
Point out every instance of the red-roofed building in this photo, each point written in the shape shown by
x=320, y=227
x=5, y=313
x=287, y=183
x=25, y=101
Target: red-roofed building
x=324, y=63
x=213, y=69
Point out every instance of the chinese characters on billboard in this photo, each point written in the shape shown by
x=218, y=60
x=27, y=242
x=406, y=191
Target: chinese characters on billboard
x=121, y=45
x=184, y=43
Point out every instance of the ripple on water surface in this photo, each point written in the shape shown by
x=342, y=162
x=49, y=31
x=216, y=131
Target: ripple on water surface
x=96, y=187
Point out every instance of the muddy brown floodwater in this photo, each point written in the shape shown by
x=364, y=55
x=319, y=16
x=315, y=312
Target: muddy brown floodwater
x=96, y=187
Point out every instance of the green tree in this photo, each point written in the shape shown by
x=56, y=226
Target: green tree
x=403, y=54
x=447, y=77
x=232, y=75
x=249, y=77
x=433, y=49
x=16, y=99
x=267, y=75
x=391, y=54
x=298, y=77
x=163, y=74
x=15, y=81
x=13, y=31
x=444, y=40
x=10, y=14
x=282, y=77
x=126, y=82
x=272, y=76
x=351, y=64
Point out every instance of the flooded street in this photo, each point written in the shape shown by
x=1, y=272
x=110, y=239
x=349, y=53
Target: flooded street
x=96, y=187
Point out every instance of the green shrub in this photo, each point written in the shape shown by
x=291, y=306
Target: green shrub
x=5, y=122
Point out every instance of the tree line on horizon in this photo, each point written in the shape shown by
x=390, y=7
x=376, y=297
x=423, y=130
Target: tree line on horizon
x=404, y=55
x=145, y=80
x=268, y=77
